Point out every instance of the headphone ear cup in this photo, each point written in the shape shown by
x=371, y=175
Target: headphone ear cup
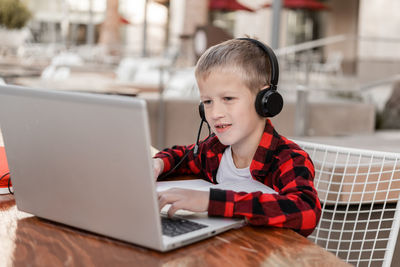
x=269, y=103
x=201, y=112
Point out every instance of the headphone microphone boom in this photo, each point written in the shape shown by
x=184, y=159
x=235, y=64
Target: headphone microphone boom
x=203, y=119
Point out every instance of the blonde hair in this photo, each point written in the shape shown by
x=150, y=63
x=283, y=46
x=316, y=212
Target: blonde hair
x=243, y=57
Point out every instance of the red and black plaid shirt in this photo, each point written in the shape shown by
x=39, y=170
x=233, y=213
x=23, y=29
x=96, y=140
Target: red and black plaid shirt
x=278, y=163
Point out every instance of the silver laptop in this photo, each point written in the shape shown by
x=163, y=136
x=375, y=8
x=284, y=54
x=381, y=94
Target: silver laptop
x=84, y=160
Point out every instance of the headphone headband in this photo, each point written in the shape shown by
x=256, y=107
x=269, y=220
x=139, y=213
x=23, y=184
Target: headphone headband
x=272, y=58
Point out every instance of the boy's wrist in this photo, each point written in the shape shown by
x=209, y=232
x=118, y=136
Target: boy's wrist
x=164, y=164
x=161, y=165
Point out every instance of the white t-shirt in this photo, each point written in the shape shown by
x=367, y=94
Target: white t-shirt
x=227, y=171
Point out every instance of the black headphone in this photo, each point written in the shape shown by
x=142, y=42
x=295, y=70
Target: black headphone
x=269, y=102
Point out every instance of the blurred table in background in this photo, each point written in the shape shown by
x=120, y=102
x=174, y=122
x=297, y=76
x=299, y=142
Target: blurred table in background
x=93, y=82
x=11, y=68
x=94, y=78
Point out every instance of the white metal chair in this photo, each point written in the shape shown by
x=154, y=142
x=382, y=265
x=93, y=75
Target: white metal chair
x=359, y=193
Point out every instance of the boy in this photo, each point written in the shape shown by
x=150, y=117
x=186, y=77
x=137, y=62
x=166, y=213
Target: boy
x=245, y=146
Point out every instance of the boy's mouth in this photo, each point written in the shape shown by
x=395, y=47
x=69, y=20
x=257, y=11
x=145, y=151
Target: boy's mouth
x=222, y=127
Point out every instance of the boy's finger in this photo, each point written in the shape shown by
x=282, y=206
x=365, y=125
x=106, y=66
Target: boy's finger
x=173, y=209
x=162, y=200
x=166, y=197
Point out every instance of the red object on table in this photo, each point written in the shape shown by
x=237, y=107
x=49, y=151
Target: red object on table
x=3, y=170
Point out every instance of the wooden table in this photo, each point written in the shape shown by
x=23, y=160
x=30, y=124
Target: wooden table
x=27, y=240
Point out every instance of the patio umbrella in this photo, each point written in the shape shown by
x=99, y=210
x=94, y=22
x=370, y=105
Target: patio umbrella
x=302, y=4
x=227, y=5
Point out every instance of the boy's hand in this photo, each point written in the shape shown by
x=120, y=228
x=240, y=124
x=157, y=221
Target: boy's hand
x=158, y=167
x=186, y=199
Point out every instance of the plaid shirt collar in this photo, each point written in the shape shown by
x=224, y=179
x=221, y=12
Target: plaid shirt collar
x=264, y=154
x=265, y=151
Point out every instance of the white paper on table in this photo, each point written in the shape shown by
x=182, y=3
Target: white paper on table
x=199, y=184
x=195, y=184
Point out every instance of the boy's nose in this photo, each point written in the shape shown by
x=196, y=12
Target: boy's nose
x=217, y=111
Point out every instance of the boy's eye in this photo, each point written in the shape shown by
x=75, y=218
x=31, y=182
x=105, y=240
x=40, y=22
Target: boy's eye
x=206, y=102
x=228, y=98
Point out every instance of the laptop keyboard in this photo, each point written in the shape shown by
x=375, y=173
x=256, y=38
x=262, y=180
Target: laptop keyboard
x=176, y=226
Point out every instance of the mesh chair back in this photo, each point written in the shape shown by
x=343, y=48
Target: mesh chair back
x=359, y=193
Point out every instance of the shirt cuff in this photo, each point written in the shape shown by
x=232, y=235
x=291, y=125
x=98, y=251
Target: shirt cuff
x=221, y=203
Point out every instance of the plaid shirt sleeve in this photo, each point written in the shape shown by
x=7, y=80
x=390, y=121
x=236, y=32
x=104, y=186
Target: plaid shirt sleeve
x=204, y=165
x=296, y=205
x=172, y=156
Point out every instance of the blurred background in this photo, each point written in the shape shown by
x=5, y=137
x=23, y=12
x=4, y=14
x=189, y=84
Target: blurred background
x=339, y=60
